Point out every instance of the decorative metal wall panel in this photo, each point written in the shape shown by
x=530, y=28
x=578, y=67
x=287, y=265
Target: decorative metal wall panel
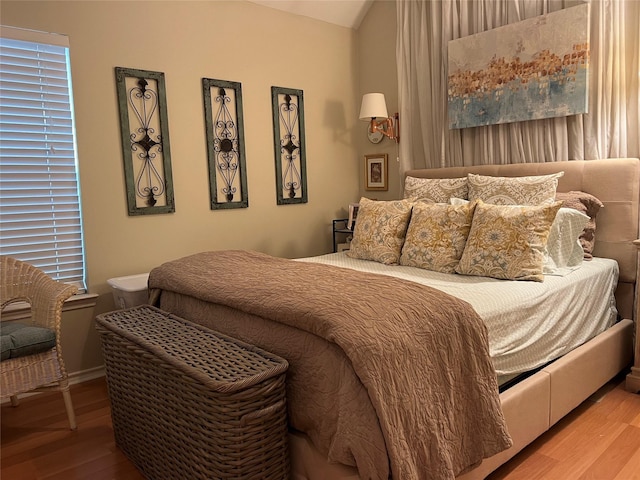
x=145, y=141
x=289, y=143
x=225, y=144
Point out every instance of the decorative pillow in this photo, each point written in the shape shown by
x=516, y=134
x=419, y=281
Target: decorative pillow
x=508, y=242
x=436, y=236
x=380, y=230
x=435, y=190
x=589, y=205
x=531, y=190
x=565, y=252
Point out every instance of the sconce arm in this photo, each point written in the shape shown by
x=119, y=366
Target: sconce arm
x=387, y=126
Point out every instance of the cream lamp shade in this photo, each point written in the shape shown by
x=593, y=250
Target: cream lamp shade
x=373, y=106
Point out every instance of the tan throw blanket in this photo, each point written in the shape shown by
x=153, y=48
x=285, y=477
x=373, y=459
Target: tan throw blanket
x=422, y=355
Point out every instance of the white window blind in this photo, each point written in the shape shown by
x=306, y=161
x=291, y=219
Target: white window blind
x=40, y=214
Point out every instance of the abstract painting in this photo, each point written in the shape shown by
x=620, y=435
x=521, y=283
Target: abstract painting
x=533, y=69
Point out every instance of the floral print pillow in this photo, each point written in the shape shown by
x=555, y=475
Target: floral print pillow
x=531, y=190
x=435, y=190
x=436, y=236
x=508, y=242
x=380, y=230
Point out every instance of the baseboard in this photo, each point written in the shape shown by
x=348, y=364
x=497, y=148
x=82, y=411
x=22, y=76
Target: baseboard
x=86, y=375
x=74, y=378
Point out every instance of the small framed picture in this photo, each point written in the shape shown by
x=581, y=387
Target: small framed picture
x=376, y=172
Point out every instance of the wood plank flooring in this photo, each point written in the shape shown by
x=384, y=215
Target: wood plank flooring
x=599, y=440
x=36, y=442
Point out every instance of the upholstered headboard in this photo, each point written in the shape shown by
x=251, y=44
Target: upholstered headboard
x=615, y=181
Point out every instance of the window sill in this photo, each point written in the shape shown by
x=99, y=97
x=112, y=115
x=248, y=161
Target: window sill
x=22, y=310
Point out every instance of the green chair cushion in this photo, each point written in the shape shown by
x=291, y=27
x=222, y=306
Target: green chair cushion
x=18, y=340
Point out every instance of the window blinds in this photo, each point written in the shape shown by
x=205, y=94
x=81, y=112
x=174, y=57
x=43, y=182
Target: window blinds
x=40, y=215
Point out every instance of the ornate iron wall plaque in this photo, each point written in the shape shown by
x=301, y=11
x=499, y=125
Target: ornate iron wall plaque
x=145, y=141
x=225, y=143
x=289, y=143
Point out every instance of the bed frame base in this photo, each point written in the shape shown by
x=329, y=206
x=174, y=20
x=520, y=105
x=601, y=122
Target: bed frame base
x=530, y=408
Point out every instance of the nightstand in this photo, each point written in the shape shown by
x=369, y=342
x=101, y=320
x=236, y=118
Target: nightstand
x=340, y=232
x=633, y=378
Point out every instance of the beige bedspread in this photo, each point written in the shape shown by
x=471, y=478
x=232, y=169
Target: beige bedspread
x=421, y=355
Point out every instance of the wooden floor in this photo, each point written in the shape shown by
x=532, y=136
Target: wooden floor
x=600, y=440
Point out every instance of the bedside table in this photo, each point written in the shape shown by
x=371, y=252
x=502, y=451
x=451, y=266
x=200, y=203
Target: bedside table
x=340, y=231
x=633, y=378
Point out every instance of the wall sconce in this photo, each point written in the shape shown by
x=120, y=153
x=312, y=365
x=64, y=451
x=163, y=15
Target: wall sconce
x=374, y=107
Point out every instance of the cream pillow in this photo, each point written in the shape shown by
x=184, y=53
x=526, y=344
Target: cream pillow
x=435, y=190
x=564, y=250
x=508, y=242
x=531, y=190
x=436, y=236
x=589, y=205
x=380, y=230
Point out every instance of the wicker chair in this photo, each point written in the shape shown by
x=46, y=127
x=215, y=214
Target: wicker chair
x=36, y=371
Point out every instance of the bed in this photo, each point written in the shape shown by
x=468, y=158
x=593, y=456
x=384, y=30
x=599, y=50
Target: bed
x=343, y=418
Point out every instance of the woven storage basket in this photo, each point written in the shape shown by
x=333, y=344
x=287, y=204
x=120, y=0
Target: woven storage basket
x=191, y=403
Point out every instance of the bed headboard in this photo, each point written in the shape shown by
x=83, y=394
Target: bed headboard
x=615, y=181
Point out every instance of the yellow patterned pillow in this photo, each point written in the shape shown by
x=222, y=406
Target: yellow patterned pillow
x=508, y=242
x=380, y=230
x=531, y=190
x=436, y=236
x=436, y=190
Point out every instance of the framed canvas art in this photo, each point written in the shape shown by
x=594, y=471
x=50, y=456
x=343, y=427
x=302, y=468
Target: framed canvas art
x=529, y=70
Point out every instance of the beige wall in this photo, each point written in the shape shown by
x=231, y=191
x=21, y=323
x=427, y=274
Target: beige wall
x=229, y=40
x=376, y=61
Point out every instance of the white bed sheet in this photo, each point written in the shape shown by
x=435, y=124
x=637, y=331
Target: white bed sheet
x=529, y=323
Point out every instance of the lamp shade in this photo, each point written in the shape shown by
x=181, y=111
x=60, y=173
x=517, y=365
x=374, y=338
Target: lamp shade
x=373, y=106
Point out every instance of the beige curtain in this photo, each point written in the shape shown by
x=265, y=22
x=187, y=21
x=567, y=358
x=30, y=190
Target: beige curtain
x=610, y=129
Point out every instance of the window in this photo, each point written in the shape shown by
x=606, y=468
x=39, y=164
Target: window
x=40, y=214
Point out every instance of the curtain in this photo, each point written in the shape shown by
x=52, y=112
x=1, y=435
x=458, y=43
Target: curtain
x=610, y=129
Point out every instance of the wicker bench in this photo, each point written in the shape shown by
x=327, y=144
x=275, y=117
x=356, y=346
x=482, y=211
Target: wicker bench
x=188, y=402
